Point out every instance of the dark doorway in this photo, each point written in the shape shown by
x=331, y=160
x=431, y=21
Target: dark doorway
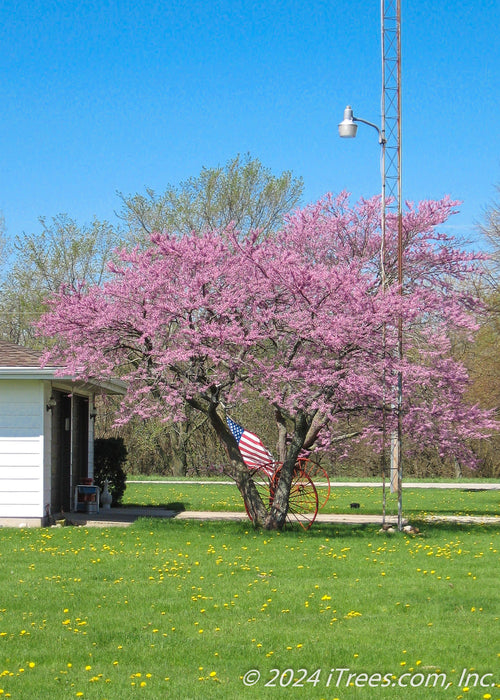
x=70, y=448
x=61, y=453
x=80, y=438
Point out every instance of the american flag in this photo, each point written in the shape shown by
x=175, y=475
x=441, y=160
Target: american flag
x=252, y=450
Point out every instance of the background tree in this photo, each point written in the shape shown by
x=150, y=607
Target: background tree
x=63, y=253
x=243, y=192
x=483, y=357
x=209, y=320
x=3, y=243
x=491, y=230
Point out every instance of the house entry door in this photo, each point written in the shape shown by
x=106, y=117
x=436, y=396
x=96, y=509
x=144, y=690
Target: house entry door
x=61, y=454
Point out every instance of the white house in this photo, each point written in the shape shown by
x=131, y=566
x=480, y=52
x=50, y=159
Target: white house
x=46, y=436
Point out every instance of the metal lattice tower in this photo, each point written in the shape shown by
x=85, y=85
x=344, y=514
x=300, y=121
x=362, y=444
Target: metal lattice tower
x=392, y=190
x=391, y=100
x=391, y=202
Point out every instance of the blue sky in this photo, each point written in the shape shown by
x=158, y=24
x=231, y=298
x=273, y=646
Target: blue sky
x=118, y=95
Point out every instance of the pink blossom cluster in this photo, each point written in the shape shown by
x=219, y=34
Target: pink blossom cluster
x=302, y=318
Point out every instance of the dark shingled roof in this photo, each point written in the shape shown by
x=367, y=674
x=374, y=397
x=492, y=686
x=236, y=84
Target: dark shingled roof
x=18, y=361
x=12, y=355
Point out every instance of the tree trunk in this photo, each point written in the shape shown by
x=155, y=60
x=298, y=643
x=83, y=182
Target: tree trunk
x=282, y=434
x=179, y=463
x=239, y=471
x=178, y=439
x=277, y=516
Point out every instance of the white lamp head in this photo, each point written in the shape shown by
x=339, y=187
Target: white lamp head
x=348, y=127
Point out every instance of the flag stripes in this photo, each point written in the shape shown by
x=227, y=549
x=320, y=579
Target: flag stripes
x=253, y=451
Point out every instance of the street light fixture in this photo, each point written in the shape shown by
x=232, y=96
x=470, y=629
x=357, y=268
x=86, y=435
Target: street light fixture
x=348, y=126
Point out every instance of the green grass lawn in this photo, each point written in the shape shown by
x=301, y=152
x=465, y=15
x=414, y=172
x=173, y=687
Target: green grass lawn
x=416, y=502
x=171, y=609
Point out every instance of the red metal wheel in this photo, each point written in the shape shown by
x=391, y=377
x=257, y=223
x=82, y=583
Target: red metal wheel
x=314, y=471
x=303, y=500
x=262, y=477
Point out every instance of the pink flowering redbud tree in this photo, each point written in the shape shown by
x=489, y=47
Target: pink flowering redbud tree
x=302, y=318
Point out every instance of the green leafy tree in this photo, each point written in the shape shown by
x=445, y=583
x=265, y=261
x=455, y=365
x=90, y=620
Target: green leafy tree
x=242, y=193
x=63, y=253
x=3, y=243
x=491, y=230
x=483, y=357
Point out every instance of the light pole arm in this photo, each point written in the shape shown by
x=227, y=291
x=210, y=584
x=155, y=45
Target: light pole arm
x=381, y=137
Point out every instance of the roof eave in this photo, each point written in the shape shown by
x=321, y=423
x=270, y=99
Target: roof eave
x=109, y=386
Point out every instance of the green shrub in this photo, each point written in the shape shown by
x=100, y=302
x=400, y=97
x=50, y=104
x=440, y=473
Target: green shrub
x=109, y=457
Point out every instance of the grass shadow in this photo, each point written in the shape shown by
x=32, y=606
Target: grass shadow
x=178, y=506
x=320, y=531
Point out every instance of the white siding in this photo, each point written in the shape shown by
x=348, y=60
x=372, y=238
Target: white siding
x=46, y=449
x=21, y=448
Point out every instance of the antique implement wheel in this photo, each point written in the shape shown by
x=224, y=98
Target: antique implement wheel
x=303, y=501
x=262, y=477
x=314, y=471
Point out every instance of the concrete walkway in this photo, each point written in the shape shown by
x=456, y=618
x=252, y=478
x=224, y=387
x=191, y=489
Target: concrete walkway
x=123, y=517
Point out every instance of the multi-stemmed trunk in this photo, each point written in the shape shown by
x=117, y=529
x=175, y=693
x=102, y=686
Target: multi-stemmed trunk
x=274, y=516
